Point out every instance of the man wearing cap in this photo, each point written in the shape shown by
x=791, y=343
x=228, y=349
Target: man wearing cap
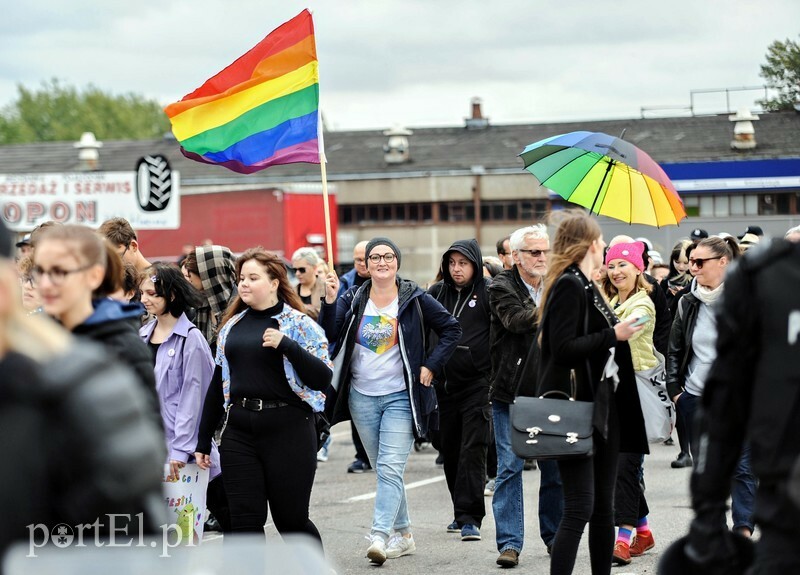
x=463, y=388
x=24, y=246
x=697, y=235
x=752, y=394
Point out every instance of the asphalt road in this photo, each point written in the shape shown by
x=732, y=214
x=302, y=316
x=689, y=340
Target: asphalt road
x=342, y=504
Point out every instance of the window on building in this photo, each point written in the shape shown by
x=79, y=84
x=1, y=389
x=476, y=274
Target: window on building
x=737, y=205
x=721, y=206
x=751, y=205
x=706, y=206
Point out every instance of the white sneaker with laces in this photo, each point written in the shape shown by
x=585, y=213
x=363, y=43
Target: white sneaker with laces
x=376, y=552
x=399, y=546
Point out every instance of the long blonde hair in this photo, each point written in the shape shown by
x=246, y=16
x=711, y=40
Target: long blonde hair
x=575, y=232
x=36, y=336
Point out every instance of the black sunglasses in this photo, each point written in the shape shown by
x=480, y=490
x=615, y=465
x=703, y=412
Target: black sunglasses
x=300, y=270
x=700, y=262
x=535, y=253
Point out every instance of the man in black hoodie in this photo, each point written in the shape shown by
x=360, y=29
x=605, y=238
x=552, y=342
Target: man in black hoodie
x=463, y=390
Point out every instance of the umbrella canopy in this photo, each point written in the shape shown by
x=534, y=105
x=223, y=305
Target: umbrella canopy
x=607, y=175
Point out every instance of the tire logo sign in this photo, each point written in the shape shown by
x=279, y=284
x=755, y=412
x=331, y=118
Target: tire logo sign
x=153, y=183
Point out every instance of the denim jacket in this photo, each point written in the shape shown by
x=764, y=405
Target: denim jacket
x=296, y=326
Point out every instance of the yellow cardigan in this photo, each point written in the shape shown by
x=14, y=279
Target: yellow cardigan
x=638, y=305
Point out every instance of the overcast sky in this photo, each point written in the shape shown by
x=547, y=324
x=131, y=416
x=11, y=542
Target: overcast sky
x=415, y=63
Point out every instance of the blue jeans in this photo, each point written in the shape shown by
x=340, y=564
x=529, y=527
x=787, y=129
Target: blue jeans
x=507, y=503
x=743, y=491
x=384, y=423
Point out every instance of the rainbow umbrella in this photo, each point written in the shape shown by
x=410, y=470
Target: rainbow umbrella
x=607, y=175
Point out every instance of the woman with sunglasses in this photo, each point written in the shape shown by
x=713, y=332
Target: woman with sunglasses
x=692, y=350
x=310, y=287
x=385, y=385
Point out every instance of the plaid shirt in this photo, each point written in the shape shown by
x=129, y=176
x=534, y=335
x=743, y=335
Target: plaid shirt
x=216, y=265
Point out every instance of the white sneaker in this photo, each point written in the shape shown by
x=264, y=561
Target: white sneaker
x=322, y=454
x=376, y=552
x=399, y=546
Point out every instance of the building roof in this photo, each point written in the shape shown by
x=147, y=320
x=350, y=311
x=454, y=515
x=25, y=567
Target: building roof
x=359, y=154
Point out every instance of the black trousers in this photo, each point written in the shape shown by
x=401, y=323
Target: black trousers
x=589, y=498
x=630, y=504
x=217, y=503
x=269, y=460
x=464, y=427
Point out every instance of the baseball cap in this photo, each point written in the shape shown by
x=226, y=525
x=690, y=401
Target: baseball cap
x=755, y=230
x=698, y=234
x=25, y=241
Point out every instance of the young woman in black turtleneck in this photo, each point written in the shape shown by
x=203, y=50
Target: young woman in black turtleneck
x=271, y=367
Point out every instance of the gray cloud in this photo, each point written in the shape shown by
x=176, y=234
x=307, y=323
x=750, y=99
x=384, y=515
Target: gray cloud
x=414, y=62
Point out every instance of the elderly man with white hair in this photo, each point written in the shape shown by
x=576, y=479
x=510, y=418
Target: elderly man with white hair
x=514, y=295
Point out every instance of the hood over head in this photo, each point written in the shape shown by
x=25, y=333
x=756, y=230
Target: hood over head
x=470, y=250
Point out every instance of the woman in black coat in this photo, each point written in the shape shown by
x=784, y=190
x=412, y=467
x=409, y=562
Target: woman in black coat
x=579, y=332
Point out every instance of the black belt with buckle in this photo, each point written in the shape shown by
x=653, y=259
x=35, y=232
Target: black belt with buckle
x=258, y=404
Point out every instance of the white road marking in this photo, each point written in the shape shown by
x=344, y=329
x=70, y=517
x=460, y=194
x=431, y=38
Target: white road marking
x=422, y=483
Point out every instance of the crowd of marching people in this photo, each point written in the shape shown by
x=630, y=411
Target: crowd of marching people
x=229, y=363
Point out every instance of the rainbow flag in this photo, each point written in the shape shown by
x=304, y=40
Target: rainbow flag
x=262, y=110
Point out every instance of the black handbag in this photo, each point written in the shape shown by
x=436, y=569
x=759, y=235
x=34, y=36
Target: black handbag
x=544, y=428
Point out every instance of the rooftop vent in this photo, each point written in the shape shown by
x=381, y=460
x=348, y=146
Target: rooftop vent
x=395, y=151
x=88, y=152
x=477, y=121
x=744, y=135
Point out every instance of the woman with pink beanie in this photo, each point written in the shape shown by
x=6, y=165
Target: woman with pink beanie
x=629, y=295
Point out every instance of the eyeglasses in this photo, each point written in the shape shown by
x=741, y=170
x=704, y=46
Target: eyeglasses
x=300, y=270
x=56, y=275
x=359, y=260
x=125, y=251
x=700, y=262
x=26, y=280
x=535, y=253
x=376, y=258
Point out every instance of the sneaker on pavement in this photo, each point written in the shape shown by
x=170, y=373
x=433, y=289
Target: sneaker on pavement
x=508, y=558
x=322, y=454
x=488, y=491
x=453, y=527
x=376, y=552
x=359, y=466
x=470, y=533
x=399, y=546
x=622, y=553
x=643, y=542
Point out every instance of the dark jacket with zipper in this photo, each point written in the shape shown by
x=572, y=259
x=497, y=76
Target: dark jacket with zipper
x=577, y=334
x=753, y=388
x=469, y=366
x=511, y=336
x=417, y=312
x=680, y=351
x=115, y=326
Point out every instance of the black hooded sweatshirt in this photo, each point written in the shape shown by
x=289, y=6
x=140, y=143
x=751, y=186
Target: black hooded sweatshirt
x=470, y=365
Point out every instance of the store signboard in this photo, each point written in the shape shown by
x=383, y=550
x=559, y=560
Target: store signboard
x=149, y=197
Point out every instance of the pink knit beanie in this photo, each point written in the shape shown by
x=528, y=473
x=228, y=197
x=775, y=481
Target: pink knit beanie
x=631, y=253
